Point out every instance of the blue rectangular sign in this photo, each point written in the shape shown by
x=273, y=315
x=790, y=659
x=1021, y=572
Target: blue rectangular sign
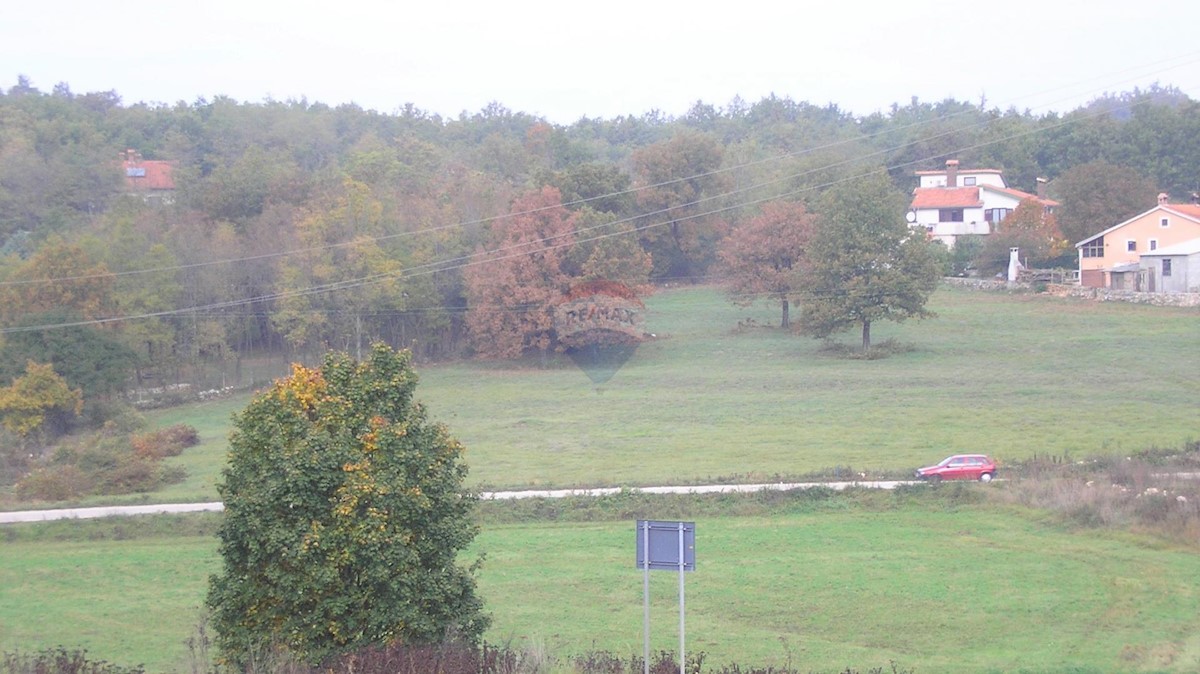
x=664, y=541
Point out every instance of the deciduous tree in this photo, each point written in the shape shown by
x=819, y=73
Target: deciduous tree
x=59, y=276
x=512, y=287
x=39, y=402
x=764, y=256
x=1098, y=195
x=343, y=278
x=1032, y=230
x=677, y=182
x=865, y=263
x=345, y=514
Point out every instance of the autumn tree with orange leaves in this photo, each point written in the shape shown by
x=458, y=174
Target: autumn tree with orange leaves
x=764, y=256
x=1035, y=232
x=513, y=284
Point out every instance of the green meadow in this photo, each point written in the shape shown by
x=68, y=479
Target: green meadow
x=935, y=580
x=854, y=580
x=1012, y=375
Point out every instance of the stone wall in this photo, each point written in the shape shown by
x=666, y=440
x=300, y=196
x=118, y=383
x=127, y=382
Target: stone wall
x=1097, y=294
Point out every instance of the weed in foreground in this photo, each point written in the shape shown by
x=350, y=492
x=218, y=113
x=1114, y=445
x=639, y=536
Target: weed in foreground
x=60, y=661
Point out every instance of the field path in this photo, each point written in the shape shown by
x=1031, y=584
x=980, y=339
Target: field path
x=113, y=511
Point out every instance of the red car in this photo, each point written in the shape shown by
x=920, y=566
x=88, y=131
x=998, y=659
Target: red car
x=960, y=467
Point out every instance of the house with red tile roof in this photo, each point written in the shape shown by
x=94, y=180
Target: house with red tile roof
x=959, y=202
x=152, y=180
x=1126, y=256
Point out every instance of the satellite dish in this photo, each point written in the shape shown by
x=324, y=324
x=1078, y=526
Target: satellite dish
x=911, y=216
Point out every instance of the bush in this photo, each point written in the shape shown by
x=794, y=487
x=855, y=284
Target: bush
x=1138, y=491
x=170, y=441
x=129, y=475
x=54, y=483
x=60, y=661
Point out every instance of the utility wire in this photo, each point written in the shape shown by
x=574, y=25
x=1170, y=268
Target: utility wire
x=1193, y=56
x=518, y=250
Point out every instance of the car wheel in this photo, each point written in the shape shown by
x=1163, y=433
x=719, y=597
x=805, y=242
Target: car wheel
x=986, y=477
x=934, y=479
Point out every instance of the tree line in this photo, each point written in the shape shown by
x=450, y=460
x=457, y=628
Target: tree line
x=297, y=227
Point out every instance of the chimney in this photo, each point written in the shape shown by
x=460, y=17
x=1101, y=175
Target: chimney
x=1162, y=198
x=1041, y=188
x=951, y=173
x=1196, y=198
x=1014, y=264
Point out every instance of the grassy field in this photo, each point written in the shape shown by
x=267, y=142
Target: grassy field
x=821, y=585
x=824, y=587
x=1011, y=375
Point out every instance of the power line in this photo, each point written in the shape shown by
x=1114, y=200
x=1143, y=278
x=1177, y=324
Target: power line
x=1191, y=58
x=517, y=249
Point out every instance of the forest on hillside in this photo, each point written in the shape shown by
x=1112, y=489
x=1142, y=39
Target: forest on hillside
x=295, y=227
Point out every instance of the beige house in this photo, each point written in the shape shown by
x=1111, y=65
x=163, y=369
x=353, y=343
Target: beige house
x=1112, y=258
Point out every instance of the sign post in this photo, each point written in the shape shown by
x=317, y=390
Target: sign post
x=664, y=546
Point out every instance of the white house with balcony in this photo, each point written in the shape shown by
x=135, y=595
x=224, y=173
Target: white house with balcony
x=960, y=202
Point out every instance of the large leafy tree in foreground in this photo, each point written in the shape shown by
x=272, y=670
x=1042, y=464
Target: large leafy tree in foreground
x=865, y=263
x=345, y=514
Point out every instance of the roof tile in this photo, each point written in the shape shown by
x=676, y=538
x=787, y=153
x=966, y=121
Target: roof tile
x=946, y=197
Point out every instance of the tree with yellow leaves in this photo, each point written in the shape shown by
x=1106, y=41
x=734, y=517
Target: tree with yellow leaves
x=345, y=514
x=39, y=403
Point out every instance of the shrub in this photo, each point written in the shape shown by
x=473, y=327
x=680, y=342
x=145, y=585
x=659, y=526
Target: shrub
x=1137, y=491
x=170, y=441
x=54, y=483
x=129, y=475
x=60, y=661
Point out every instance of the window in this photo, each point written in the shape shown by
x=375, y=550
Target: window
x=1165, y=222
x=1166, y=267
x=1094, y=248
x=995, y=215
x=968, y=182
x=1153, y=244
x=950, y=215
x=1131, y=246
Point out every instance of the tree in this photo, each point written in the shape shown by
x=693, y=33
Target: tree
x=59, y=276
x=677, y=181
x=1098, y=195
x=865, y=263
x=344, y=259
x=88, y=358
x=511, y=291
x=1032, y=230
x=764, y=255
x=603, y=187
x=39, y=402
x=608, y=250
x=345, y=513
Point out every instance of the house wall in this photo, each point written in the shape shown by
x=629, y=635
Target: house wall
x=1141, y=230
x=998, y=200
x=1185, y=272
x=981, y=178
x=947, y=232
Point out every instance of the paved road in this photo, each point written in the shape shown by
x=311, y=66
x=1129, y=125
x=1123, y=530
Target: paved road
x=111, y=511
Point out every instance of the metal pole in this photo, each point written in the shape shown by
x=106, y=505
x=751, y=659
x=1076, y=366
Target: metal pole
x=682, y=657
x=646, y=596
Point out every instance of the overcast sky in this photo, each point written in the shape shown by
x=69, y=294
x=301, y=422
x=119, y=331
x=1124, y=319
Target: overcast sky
x=564, y=60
